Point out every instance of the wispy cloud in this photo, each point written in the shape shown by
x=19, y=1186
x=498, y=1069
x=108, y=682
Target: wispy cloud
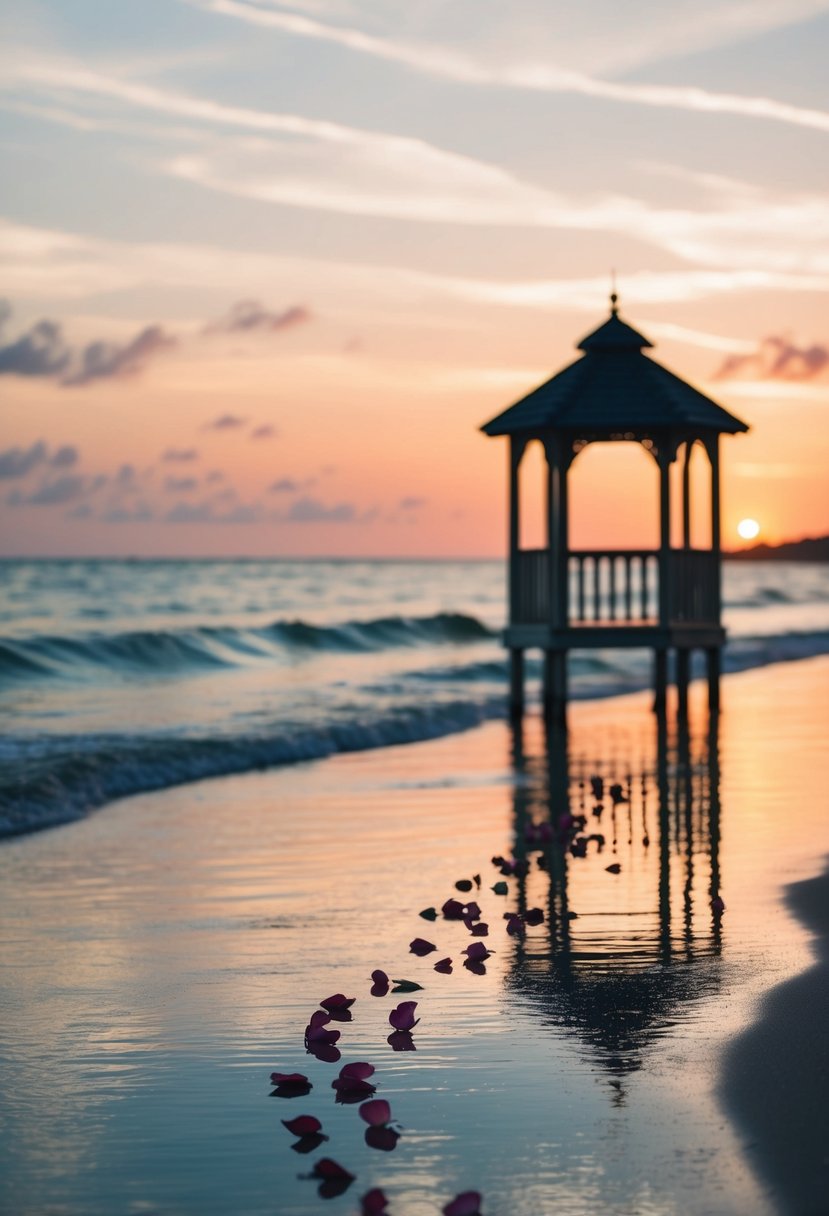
x=250, y=316
x=18, y=462
x=539, y=76
x=180, y=455
x=776, y=358
x=225, y=422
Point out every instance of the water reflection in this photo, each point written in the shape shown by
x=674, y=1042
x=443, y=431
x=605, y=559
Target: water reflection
x=631, y=892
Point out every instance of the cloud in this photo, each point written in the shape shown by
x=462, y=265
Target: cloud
x=68, y=488
x=179, y=455
x=206, y=513
x=43, y=352
x=263, y=432
x=411, y=503
x=17, y=462
x=776, y=358
x=285, y=485
x=180, y=485
x=139, y=513
x=126, y=475
x=250, y=316
x=214, y=476
x=539, y=76
x=312, y=511
x=108, y=360
x=65, y=457
x=225, y=422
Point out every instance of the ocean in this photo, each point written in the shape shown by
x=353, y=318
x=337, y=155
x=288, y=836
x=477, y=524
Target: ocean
x=121, y=677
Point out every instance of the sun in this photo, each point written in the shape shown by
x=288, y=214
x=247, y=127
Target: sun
x=748, y=529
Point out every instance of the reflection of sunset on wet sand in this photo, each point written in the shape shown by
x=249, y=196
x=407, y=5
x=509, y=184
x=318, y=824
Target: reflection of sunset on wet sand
x=198, y=930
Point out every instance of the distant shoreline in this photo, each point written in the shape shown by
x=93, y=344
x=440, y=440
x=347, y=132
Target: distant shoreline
x=810, y=549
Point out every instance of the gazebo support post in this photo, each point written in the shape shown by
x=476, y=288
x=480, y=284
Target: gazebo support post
x=516, y=655
x=714, y=660
x=516, y=683
x=660, y=681
x=683, y=666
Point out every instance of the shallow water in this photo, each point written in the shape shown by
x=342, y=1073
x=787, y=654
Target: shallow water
x=119, y=677
x=162, y=957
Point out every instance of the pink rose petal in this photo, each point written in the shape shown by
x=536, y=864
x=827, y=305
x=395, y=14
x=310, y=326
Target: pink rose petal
x=444, y=966
x=329, y=1169
x=337, y=1002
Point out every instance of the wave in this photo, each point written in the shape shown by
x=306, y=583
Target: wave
x=176, y=651
x=79, y=774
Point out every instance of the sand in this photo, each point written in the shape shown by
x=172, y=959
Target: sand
x=648, y=1056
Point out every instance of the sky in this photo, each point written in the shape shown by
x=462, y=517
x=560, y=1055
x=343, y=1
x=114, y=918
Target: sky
x=267, y=268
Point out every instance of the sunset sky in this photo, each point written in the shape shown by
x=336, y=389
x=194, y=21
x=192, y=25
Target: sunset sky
x=268, y=267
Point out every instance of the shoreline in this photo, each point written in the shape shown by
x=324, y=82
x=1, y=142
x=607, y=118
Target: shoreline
x=210, y=759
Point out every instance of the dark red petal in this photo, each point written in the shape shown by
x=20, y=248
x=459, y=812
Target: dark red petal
x=466, y=1204
x=377, y=1112
x=289, y=1078
x=360, y=1071
x=337, y=1001
x=374, y=1203
x=303, y=1125
x=421, y=947
x=444, y=966
x=327, y=1168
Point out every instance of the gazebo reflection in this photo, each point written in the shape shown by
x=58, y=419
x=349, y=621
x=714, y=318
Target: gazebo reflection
x=626, y=950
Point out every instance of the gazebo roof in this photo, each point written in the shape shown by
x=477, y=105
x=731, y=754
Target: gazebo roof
x=614, y=389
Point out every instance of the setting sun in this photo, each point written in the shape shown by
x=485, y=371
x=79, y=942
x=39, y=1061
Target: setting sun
x=748, y=529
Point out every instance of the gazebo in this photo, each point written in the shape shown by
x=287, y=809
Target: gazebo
x=561, y=598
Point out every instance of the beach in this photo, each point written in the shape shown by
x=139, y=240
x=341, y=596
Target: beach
x=163, y=955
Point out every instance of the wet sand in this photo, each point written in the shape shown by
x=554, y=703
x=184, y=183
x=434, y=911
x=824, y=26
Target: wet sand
x=163, y=956
x=776, y=1075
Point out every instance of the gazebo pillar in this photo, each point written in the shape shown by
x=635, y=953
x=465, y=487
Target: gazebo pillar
x=516, y=654
x=664, y=459
x=555, y=658
x=714, y=662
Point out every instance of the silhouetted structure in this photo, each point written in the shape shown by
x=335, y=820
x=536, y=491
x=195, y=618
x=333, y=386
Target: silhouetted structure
x=561, y=598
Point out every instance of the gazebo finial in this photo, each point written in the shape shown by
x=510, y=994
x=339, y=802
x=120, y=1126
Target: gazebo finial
x=614, y=298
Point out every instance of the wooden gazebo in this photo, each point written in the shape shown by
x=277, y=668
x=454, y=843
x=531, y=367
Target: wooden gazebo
x=561, y=598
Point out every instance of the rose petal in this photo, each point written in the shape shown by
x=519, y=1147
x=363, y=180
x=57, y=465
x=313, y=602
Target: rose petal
x=477, y=952
x=337, y=1002
x=374, y=1203
x=406, y=986
x=327, y=1168
x=429, y=914
x=535, y=916
x=421, y=947
x=480, y=930
x=452, y=910
x=501, y=888
x=377, y=1112
x=466, y=1204
x=463, y=884
x=303, y=1125
x=444, y=966
x=359, y=1071
x=403, y=1018
x=288, y=1079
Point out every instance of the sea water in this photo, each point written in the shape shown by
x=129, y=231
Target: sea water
x=120, y=677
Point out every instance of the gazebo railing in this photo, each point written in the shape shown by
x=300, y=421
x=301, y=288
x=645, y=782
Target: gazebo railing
x=613, y=586
x=617, y=586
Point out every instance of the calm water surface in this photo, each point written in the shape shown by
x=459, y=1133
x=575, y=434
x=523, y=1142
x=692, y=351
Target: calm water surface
x=162, y=957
